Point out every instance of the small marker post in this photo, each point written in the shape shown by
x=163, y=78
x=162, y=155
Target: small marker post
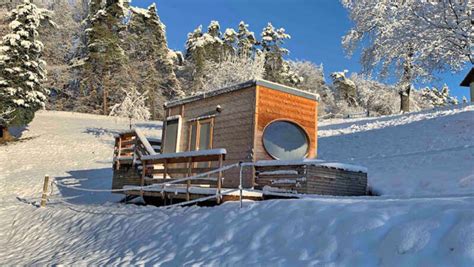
x=44, y=196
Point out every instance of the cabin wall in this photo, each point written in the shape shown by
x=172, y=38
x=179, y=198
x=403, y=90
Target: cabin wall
x=233, y=128
x=275, y=105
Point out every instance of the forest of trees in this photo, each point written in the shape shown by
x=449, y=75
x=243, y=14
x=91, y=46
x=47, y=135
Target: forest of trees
x=101, y=53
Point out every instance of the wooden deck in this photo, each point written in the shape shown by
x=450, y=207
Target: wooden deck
x=198, y=175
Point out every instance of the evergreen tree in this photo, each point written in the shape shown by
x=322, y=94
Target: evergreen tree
x=103, y=69
x=229, y=43
x=151, y=64
x=439, y=98
x=246, y=40
x=196, y=56
x=60, y=47
x=22, y=69
x=345, y=88
x=202, y=47
x=276, y=68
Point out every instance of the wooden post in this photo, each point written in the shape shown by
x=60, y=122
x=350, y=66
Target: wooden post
x=119, y=152
x=165, y=169
x=188, y=182
x=219, y=181
x=241, y=182
x=142, y=181
x=44, y=196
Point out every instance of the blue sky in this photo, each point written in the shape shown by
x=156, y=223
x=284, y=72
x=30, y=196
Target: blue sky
x=316, y=28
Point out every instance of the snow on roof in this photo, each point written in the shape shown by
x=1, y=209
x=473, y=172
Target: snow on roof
x=243, y=85
x=314, y=162
x=208, y=152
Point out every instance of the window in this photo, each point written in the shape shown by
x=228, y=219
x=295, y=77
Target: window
x=200, y=134
x=171, y=134
x=285, y=140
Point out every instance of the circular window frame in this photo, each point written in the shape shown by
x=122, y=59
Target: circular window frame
x=292, y=122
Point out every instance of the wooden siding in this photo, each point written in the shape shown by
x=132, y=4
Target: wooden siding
x=125, y=175
x=313, y=179
x=329, y=181
x=233, y=128
x=276, y=105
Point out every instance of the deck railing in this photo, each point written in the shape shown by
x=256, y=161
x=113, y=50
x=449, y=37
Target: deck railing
x=130, y=146
x=173, y=167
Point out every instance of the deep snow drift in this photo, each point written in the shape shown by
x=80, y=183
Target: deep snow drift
x=422, y=163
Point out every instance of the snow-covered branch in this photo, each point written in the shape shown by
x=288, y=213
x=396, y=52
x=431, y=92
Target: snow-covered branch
x=235, y=69
x=133, y=107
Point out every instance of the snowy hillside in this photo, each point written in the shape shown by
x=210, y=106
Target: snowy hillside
x=421, y=163
x=425, y=153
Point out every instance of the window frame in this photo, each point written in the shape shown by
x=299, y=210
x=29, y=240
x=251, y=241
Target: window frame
x=178, y=134
x=197, y=124
x=292, y=122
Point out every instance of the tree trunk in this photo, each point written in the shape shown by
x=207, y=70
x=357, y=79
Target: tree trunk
x=407, y=80
x=405, y=99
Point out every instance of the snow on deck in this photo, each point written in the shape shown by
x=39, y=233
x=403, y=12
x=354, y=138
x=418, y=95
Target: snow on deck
x=196, y=190
x=314, y=162
x=424, y=218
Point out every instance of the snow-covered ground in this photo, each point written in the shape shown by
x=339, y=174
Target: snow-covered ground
x=426, y=153
x=421, y=163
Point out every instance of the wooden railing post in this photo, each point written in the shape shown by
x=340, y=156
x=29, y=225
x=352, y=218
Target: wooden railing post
x=119, y=152
x=44, y=196
x=240, y=183
x=165, y=168
x=219, y=181
x=188, y=182
x=142, y=181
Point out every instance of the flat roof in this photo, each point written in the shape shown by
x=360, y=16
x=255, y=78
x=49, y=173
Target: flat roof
x=468, y=79
x=247, y=84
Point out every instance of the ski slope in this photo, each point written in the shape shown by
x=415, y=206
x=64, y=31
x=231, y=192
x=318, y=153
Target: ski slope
x=420, y=163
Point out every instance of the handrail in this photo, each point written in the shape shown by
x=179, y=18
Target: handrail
x=145, y=142
x=186, y=154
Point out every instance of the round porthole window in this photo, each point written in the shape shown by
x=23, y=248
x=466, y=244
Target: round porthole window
x=285, y=140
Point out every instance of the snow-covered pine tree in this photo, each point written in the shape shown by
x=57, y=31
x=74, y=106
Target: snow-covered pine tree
x=200, y=48
x=276, y=68
x=103, y=68
x=133, y=106
x=246, y=40
x=150, y=59
x=345, y=88
x=439, y=98
x=61, y=44
x=195, y=57
x=229, y=39
x=213, y=42
x=22, y=69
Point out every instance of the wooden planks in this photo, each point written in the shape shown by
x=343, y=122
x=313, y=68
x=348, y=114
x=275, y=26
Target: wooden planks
x=233, y=128
x=312, y=179
x=276, y=105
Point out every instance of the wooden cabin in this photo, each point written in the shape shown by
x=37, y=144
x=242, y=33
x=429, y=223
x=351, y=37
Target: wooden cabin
x=255, y=120
x=269, y=127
